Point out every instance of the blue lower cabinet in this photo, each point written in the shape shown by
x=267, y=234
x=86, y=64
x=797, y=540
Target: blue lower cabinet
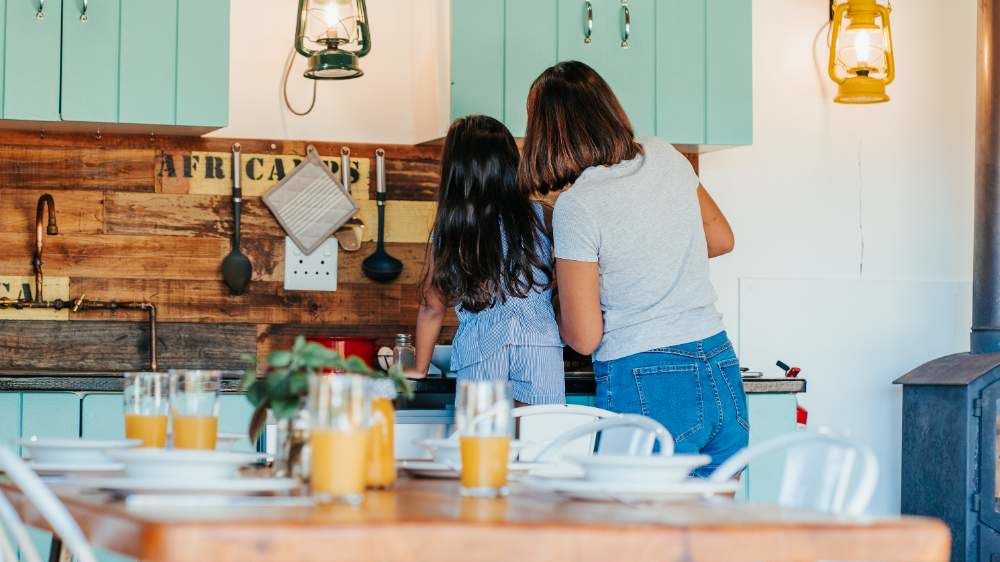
x=50, y=414
x=10, y=418
x=771, y=415
x=234, y=417
x=102, y=416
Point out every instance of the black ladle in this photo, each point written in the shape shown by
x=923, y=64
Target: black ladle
x=236, y=267
x=380, y=266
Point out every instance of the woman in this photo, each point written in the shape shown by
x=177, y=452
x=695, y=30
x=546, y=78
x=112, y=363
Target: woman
x=632, y=241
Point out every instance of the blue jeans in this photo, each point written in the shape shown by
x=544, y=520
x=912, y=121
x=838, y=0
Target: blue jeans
x=694, y=389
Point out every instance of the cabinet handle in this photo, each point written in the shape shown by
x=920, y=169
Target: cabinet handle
x=590, y=22
x=83, y=14
x=627, y=25
x=40, y=14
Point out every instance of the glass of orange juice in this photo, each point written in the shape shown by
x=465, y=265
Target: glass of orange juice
x=485, y=424
x=146, y=408
x=381, y=449
x=339, y=436
x=194, y=408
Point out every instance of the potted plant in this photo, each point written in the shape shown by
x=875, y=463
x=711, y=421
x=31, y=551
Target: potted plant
x=283, y=388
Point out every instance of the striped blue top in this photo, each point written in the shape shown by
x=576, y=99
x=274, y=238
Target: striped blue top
x=528, y=321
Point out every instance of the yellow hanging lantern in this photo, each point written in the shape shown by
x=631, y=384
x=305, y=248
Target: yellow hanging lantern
x=861, y=61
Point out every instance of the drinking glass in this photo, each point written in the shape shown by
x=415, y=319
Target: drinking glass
x=485, y=425
x=339, y=415
x=146, y=408
x=194, y=406
x=381, y=452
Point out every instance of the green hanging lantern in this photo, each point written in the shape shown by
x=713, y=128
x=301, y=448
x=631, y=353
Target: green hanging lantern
x=329, y=26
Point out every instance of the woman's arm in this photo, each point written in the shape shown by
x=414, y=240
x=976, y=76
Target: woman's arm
x=718, y=233
x=580, y=321
x=432, y=311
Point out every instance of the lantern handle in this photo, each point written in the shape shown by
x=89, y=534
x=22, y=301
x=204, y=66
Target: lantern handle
x=838, y=18
x=590, y=22
x=40, y=14
x=890, y=63
x=300, y=25
x=627, y=25
x=364, y=33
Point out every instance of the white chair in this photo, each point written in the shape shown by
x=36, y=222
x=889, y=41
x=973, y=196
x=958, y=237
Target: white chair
x=821, y=472
x=642, y=434
x=46, y=503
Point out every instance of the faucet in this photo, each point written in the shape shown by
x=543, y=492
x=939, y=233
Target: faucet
x=43, y=201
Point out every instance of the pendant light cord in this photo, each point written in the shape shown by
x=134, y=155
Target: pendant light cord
x=284, y=87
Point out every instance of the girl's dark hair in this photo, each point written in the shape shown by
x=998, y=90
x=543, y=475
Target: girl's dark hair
x=486, y=231
x=574, y=122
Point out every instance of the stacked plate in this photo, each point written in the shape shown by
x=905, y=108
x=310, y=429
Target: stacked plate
x=54, y=456
x=446, y=459
x=635, y=479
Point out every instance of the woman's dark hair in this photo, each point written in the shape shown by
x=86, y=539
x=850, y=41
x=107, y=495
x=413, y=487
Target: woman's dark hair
x=574, y=122
x=486, y=231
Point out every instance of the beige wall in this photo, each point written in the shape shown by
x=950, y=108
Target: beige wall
x=403, y=97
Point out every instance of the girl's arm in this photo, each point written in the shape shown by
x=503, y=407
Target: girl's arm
x=718, y=233
x=580, y=321
x=432, y=311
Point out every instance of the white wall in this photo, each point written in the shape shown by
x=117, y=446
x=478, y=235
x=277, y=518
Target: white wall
x=402, y=98
x=847, y=206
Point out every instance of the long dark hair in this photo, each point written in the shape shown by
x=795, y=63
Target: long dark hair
x=486, y=231
x=574, y=122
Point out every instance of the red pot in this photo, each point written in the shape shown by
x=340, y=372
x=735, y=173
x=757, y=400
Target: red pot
x=347, y=346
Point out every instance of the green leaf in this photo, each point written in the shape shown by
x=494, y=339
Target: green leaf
x=285, y=408
x=300, y=343
x=278, y=359
x=356, y=365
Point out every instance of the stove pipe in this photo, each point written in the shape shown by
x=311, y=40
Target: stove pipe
x=986, y=252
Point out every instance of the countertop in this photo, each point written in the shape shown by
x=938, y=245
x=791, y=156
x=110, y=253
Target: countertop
x=577, y=383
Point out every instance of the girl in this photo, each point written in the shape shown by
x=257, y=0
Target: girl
x=490, y=257
x=632, y=241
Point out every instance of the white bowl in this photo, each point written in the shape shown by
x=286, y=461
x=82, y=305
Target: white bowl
x=446, y=451
x=656, y=469
x=46, y=450
x=179, y=464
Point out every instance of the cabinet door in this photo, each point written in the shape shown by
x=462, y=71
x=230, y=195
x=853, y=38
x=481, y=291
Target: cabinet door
x=102, y=416
x=148, y=71
x=203, y=62
x=90, y=61
x=50, y=414
x=771, y=415
x=234, y=417
x=477, y=58
x=31, y=60
x=680, y=71
x=530, y=48
x=729, y=72
x=10, y=418
x=621, y=49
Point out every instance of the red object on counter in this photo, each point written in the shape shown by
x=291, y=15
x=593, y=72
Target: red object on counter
x=347, y=346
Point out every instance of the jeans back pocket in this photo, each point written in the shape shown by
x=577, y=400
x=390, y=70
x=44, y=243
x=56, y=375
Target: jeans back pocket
x=731, y=376
x=671, y=394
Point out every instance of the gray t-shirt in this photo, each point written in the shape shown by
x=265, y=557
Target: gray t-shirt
x=641, y=222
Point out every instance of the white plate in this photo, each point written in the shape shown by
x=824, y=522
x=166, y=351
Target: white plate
x=82, y=451
x=655, y=469
x=57, y=469
x=431, y=469
x=691, y=488
x=234, y=486
x=182, y=464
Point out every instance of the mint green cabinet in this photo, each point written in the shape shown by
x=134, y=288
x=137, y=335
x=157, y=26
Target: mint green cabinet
x=90, y=36
x=10, y=418
x=684, y=73
x=530, y=47
x=771, y=415
x=622, y=49
x=203, y=62
x=31, y=60
x=477, y=58
x=729, y=110
x=148, y=69
x=50, y=414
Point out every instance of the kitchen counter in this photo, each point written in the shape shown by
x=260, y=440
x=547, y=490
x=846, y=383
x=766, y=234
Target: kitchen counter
x=434, y=388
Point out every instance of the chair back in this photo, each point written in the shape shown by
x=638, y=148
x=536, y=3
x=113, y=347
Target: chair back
x=821, y=472
x=634, y=435
x=540, y=424
x=12, y=526
x=47, y=504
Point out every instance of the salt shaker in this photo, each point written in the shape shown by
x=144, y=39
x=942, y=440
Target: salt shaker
x=404, y=354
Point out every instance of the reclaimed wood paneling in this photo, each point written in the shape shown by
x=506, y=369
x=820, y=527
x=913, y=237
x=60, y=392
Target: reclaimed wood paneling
x=121, y=346
x=122, y=237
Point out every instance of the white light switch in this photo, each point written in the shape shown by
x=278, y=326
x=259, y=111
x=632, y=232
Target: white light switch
x=311, y=272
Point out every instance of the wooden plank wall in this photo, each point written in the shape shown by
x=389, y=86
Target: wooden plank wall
x=121, y=237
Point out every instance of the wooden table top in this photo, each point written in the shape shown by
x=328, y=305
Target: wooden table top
x=427, y=521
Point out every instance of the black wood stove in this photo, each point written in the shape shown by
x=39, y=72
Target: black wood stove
x=951, y=405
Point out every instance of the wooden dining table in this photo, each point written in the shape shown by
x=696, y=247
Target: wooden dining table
x=428, y=521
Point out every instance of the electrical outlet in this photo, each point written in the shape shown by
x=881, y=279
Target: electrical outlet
x=311, y=272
